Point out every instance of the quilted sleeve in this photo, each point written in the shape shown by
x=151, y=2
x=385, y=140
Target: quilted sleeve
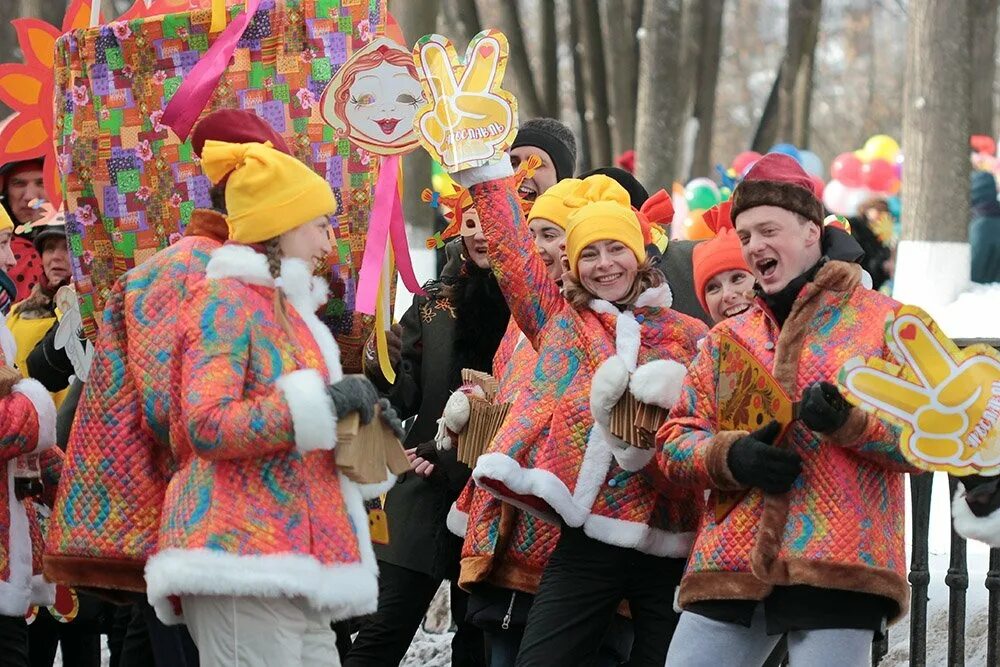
x=873, y=439
x=51, y=465
x=223, y=421
x=532, y=296
x=690, y=452
x=405, y=393
x=27, y=420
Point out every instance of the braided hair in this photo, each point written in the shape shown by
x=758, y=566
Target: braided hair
x=272, y=250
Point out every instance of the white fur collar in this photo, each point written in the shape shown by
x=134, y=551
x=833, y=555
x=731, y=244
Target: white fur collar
x=654, y=297
x=305, y=291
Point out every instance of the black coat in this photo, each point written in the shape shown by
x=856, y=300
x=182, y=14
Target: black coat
x=676, y=264
x=459, y=324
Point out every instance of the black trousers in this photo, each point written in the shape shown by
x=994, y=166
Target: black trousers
x=582, y=586
x=403, y=598
x=80, y=647
x=14, y=641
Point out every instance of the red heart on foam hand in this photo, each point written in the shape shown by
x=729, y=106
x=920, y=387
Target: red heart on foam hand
x=909, y=332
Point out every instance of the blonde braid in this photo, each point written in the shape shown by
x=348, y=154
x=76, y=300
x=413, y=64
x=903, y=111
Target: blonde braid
x=272, y=250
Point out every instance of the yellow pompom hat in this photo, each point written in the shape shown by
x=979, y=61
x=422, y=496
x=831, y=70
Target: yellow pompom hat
x=268, y=192
x=603, y=213
x=551, y=204
x=5, y=221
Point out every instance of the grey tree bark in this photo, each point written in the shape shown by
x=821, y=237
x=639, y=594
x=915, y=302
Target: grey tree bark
x=529, y=102
x=984, y=46
x=464, y=15
x=659, y=119
x=550, y=60
x=595, y=76
x=416, y=18
x=707, y=79
x=583, y=161
x=622, y=59
x=936, y=117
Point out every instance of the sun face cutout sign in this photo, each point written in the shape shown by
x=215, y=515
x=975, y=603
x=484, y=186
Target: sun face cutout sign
x=468, y=119
x=946, y=400
x=373, y=98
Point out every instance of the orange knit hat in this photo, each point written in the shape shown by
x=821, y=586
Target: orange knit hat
x=721, y=253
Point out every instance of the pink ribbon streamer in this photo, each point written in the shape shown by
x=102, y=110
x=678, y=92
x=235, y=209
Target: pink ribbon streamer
x=192, y=97
x=386, y=225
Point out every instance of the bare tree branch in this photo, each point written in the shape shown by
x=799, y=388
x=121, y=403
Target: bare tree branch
x=584, y=160
x=529, y=101
x=707, y=80
x=550, y=60
x=596, y=80
x=621, y=57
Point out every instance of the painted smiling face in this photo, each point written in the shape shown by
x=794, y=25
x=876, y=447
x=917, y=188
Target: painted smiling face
x=383, y=102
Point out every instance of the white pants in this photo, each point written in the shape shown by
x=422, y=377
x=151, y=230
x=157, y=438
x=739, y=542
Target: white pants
x=259, y=632
x=704, y=642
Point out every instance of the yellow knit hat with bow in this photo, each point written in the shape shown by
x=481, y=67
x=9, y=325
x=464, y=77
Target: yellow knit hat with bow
x=551, y=204
x=268, y=192
x=5, y=221
x=603, y=212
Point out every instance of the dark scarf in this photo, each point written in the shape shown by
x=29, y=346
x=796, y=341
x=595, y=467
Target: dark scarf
x=837, y=245
x=41, y=302
x=481, y=317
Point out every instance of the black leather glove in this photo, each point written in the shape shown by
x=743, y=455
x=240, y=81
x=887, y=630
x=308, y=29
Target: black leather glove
x=754, y=461
x=355, y=393
x=982, y=494
x=391, y=419
x=822, y=408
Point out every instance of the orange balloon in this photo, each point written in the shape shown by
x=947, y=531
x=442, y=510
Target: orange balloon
x=695, y=228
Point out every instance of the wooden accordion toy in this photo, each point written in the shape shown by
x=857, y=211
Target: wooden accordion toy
x=636, y=423
x=364, y=453
x=485, y=416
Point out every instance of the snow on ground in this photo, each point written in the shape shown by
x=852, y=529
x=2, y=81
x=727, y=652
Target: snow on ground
x=974, y=314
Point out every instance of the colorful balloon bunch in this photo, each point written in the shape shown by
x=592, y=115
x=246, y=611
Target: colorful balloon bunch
x=700, y=194
x=876, y=170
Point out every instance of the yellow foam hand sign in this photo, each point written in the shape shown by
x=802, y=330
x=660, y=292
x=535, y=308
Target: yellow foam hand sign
x=467, y=120
x=946, y=400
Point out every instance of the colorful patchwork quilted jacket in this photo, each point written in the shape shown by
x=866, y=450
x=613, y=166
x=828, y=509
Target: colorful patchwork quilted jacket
x=550, y=457
x=257, y=507
x=107, y=515
x=504, y=546
x=841, y=525
x=27, y=424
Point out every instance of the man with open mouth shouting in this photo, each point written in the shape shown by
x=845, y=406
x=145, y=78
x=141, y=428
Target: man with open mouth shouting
x=803, y=531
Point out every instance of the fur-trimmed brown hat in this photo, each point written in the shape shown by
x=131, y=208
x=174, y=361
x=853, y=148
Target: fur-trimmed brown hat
x=778, y=180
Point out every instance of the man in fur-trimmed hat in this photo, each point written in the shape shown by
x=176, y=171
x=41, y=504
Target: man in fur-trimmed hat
x=804, y=530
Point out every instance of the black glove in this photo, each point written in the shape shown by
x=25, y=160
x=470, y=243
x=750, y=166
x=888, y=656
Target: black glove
x=390, y=418
x=982, y=494
x=355, y=393
x=428, y=451
x=394, y=343
x=755, y=462
x=822, y=408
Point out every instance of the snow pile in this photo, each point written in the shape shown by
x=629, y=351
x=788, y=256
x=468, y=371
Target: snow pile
x=974, y=314
x=431, y=646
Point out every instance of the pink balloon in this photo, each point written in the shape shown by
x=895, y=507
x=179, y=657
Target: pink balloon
x=846, y=168
x=744, y=160
x=818, y=185
x=879, y=175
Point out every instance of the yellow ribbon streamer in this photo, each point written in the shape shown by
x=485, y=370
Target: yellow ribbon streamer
x=218, y=16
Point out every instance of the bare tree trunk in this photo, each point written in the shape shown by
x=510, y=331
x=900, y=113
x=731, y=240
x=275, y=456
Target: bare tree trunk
x=620, y=55
x=803, y=30
x=707, y=82
x=528, y=100
x=767, y=128
x=596, y=80
x=550, y=60
x=936, y=171
x=984, y=46
x=464, y=15
x=802, y=100
x=416, y=18
x=583, y=160
x=659, y=122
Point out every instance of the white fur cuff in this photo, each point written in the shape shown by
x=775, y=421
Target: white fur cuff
x=369, y=491
x=313, y=418
x=41, y=399
x=658, y=382
x=457, y=521
x=632, y=459
x=43, y=593
x=607, y=387
x=986, y=529
x=488, y=172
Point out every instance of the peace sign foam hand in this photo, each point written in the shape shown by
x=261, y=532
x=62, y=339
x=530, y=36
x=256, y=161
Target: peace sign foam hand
x=468, y=119
x=946, y=400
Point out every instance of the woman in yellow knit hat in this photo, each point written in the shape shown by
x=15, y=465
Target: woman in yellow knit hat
x=262, y=541
x=612, y=332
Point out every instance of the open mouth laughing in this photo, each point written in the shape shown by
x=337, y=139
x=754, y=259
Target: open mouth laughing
x=738, y=309
x=766, y=267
